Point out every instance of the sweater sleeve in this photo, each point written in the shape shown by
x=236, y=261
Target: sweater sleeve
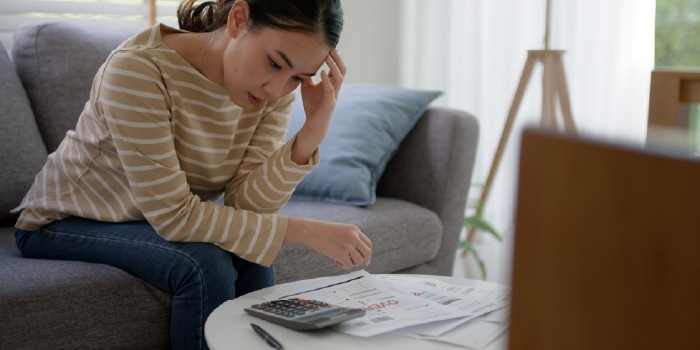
x=267, y=175
x=133, y=100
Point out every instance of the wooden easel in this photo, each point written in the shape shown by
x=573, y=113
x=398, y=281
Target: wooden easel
x=553, y=87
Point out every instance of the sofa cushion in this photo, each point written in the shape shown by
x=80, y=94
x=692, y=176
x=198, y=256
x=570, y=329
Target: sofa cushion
x=403, y=235
x=57, y=63
x=369, y=123
x=22, y=152
x=49, y=302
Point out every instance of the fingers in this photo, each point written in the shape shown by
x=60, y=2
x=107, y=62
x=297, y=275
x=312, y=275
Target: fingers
x=360, y=253
x=338, y=61
x=331, y=79
x=364, y=250
x=330, y=84
x=336, y=65
x=367, y=254
x=343, y=243
x=336, y=69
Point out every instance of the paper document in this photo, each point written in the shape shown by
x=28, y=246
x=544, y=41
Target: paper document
x=419, y=307
x=474, y=331
x=386, y=309
x=473, y=301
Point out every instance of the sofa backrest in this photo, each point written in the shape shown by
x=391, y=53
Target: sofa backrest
x=22, y=151
x=56, y=63
x=44, y=88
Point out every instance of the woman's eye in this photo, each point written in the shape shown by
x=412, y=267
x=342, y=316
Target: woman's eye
x=299, y=79
x=274, y=64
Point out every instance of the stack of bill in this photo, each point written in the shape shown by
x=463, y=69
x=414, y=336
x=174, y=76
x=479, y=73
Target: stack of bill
x=422, y=307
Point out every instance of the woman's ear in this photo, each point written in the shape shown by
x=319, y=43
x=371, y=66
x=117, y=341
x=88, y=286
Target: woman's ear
x=237, y=22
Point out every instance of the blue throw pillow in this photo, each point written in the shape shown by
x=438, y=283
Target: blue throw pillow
x=369, y=123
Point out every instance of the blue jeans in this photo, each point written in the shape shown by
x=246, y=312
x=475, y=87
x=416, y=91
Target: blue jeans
x=199, y=276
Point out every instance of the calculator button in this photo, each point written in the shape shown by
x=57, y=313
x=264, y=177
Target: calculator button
x=292, y=307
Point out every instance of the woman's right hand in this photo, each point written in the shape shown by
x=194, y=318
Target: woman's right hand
x=319, y=100
x=343, y=243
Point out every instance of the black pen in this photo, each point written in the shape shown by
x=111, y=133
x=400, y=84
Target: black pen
x=268, y=338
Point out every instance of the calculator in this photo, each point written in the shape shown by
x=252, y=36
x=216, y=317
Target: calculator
x=303, y=314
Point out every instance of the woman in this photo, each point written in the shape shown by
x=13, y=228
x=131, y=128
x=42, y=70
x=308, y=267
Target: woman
x=175, y=119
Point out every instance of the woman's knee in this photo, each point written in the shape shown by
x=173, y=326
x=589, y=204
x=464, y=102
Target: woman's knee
x=204, y=266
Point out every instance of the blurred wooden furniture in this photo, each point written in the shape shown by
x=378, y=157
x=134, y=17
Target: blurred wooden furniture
x=606, y=247
x=671, y=91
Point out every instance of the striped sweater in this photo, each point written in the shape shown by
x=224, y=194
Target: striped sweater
x=157, y=140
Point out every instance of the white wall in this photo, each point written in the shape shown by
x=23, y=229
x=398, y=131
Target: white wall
x=370, y=42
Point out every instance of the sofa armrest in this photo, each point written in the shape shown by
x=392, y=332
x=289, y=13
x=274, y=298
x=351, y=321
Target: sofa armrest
x=433, y=168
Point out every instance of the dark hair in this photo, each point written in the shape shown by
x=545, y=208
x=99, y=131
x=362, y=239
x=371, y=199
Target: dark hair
x=323, y=17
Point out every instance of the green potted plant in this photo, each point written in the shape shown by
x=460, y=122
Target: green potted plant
x=476, y=223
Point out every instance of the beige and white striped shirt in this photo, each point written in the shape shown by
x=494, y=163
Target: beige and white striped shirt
x=156, y=141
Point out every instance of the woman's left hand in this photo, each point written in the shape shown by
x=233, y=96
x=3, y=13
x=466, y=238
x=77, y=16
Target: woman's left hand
x=320, y=98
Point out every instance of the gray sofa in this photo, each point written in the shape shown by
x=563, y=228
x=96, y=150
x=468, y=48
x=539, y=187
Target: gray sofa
x=44, y=304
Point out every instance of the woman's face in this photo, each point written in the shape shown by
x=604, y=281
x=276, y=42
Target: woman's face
x=267, y=64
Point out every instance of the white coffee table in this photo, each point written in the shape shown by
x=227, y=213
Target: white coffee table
x=228, y=327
